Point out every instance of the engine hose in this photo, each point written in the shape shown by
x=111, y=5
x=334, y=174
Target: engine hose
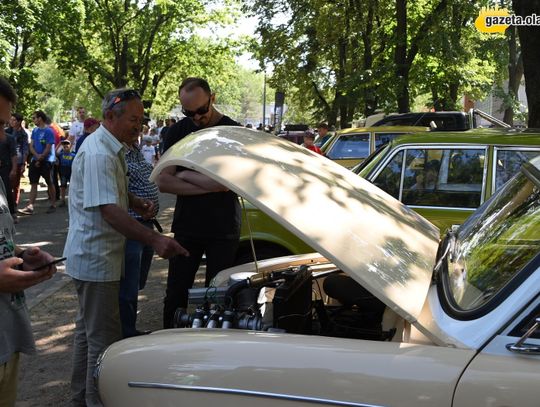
x=233, y=290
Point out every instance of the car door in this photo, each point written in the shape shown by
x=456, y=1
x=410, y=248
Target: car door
x=444, y=184
x=498, y=376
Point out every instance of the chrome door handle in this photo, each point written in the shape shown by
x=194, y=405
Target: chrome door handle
x=526, y=348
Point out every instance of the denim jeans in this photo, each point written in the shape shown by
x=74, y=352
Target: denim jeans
x=137, y=265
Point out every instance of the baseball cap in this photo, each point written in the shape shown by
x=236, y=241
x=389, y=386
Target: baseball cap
x=90, y=122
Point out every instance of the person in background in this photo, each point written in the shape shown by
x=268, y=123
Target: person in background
x=58, y=136
x=309, y=139
x=65, y=160
x=138, y=256
x=16, y=275
x=77, y=127
x=99, y=224
x=90, y=126
x=19, y=134
x=322, y=134
x=148, y=150
x=207, y=215
x=43, y=158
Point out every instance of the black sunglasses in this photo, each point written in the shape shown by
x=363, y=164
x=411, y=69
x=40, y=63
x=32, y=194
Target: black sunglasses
x=200, y=111
x=123, y=96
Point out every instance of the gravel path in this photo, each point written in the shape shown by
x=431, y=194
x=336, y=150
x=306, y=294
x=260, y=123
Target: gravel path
x=44, y=378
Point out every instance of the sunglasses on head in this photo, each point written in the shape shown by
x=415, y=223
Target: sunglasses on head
x=200, y=111
x=123, y=96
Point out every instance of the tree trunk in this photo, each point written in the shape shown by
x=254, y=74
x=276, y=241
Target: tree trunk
x=515, y=73
x=370, y=94
x=340, y=97
x=400, y=57
x=529, y=37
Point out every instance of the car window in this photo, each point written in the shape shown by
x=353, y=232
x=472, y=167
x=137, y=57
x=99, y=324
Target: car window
x=390, y=177
x=321, y=140
x=350, y=146
x=443, y=177
x=494, y=245
x=508, y=163
x=384, y=138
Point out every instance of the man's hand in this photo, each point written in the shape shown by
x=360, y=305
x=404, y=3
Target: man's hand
x=13, y=280
x=167, y=247
x=144, y=207
x=34, y=257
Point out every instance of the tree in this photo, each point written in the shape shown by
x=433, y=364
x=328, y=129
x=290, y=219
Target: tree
x=24, y=40
x=134, y=43
x=529, y=37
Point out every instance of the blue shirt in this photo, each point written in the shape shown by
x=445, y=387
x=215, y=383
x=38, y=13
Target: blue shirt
x=94, y=249
x=66, y=159
x=40, y=139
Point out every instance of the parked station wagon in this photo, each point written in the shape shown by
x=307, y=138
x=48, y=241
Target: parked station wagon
x=384, y=314
x=446, y=176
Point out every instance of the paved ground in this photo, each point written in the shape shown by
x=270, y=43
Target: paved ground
x=44, y=378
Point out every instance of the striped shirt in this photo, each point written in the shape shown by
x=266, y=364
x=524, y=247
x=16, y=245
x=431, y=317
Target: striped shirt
x=94, y=250
x=139, y=171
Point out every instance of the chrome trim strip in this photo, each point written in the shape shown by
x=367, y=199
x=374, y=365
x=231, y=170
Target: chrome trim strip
x=453, y=208
x=252, y=393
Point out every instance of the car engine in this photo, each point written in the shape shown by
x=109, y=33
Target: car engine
x=306, y=299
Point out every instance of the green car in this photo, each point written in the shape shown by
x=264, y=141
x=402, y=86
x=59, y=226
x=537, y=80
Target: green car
x=446, y=176
x=442, y=176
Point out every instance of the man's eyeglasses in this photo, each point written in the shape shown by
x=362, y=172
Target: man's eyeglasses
x=122, y=97
x=200, y=111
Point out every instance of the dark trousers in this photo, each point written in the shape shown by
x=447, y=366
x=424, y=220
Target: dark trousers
x=137, y=263
x=220, y=254
x=55, y=176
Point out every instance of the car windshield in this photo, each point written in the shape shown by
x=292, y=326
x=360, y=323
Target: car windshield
x=350, y=146
x=495, y=244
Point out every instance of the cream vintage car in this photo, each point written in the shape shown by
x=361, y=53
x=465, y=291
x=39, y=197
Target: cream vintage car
x=382, y=315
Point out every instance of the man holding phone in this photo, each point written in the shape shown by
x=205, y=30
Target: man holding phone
x=15, y=276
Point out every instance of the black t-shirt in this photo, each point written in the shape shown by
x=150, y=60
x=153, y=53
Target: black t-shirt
x=215, y=215
x=7, y=152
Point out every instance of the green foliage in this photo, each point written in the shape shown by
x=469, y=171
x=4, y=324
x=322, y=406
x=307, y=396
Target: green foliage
x=339, y=58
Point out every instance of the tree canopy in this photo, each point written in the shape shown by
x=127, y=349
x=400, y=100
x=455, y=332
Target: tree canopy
x=350, y=58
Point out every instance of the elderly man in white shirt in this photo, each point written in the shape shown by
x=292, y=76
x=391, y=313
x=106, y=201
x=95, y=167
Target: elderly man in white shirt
x=98, y=225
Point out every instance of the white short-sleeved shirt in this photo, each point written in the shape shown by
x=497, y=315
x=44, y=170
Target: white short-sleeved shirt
x=77, y=129
x=94, y=250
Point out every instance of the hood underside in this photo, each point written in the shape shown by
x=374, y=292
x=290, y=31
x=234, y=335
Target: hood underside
x=386, y=247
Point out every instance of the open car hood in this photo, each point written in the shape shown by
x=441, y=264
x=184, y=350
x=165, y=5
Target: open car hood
x=386, y=247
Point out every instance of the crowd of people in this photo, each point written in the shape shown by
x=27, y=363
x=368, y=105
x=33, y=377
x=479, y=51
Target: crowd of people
x=113, y=232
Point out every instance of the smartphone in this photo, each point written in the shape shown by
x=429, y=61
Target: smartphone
x=43, y=266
